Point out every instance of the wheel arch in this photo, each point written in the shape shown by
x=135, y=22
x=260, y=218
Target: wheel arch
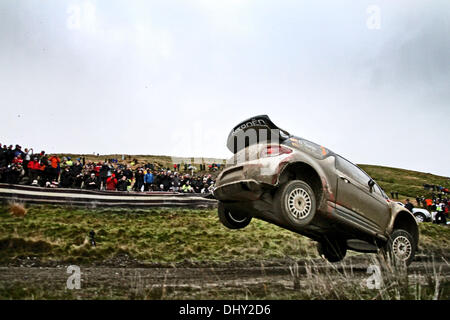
x=300, y=170
x=406, y=221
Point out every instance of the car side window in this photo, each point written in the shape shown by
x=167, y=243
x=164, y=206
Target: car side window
x=382, y=192
x=352, y=171
x=376, y=189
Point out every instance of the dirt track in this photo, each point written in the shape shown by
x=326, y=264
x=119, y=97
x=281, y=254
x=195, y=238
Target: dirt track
x=227, y=280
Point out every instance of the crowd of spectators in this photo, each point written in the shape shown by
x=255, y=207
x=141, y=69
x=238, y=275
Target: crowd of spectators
x=19, y=166
x=438, y=204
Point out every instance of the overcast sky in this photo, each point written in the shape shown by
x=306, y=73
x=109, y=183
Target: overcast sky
x=370, y=80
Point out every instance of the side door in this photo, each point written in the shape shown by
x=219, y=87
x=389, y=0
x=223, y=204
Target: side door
x=357, y=199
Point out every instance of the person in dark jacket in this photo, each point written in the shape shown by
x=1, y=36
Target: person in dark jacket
x=128, y=173
x=123, y=184
x=197, y=184
x=139, y=183
x=176, y=183
x=67, y=179
x=91, y=183
x=103, y=175
x=157, y=180
x=10, y=154
x=409, y=205
x=14, y=173
x=166, y=181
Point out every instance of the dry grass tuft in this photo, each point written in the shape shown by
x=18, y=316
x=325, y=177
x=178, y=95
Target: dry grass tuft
x=17, y=210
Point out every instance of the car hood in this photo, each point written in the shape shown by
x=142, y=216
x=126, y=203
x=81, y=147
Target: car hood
x=258, y=129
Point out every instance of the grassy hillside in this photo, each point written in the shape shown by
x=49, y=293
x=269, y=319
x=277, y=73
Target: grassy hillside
x=407, y=183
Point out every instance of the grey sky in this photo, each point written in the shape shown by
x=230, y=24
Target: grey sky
x=173, y=77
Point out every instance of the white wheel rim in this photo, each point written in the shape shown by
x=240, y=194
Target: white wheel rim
x=236, y=219
x=420, y=218
x=401, y=248
x=299, y=203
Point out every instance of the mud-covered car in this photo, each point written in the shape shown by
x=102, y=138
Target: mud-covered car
x=306, y=188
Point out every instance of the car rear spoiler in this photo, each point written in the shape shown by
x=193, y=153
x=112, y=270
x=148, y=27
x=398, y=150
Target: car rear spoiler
x=255, y=130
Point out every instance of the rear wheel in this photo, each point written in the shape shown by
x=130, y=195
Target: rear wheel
x=332, y=250
x=400, y=247
x=296, y=203
x=232, y=219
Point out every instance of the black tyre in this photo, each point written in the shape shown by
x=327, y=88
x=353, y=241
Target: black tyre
x=333, y=251
x=232, y=219
x=420, y=217
x=400, y=247
x=296, y=203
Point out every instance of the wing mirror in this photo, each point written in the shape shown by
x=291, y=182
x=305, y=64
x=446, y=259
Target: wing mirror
x=371, y=183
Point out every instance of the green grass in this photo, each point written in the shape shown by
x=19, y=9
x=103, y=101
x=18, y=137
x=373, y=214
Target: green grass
x=158, y=236
x=151, y=236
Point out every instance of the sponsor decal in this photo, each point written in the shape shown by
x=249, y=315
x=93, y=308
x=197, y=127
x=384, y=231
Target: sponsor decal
x=250, y=124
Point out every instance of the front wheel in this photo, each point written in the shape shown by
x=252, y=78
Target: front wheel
x=232, y=219
x=400, y=247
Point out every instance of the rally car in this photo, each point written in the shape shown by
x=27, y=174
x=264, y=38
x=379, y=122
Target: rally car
x=306, y=188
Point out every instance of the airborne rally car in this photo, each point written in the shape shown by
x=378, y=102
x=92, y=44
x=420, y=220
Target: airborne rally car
x=306, y=188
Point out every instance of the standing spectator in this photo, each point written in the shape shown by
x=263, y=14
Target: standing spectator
x=10, y=154
x=418, y=201
x=175, y=182
x=148, y=180
x=139, y=182
x=166, y=181
x=409, y=205
x=26, y=160
x=440, y=216
x=103, y=175
x=3, y=156
x=54, y=166
x=43, y=158
x=18, y=151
